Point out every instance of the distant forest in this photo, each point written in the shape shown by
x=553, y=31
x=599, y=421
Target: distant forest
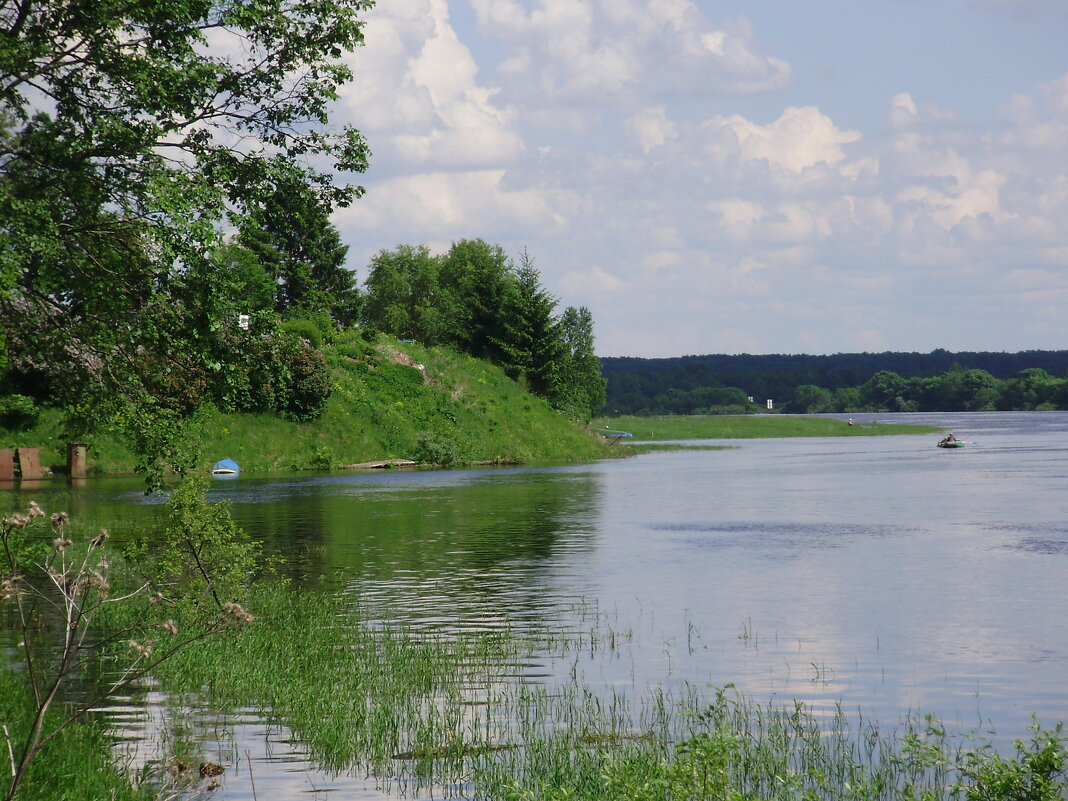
x=843, y=382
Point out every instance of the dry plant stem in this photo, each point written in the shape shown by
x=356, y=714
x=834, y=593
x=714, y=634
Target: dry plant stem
x=10, y=750
x=80, y=591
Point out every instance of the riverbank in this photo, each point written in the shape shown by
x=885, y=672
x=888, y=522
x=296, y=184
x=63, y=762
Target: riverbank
x=771, y=426
x=391, y=403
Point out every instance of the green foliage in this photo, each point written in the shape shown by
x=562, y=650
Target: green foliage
x=874, y=382
x=403, y=295
x=377, y=407
x=252, y=288
x=810, y=399
x=18, y=412
x=280, y=373
x=323, y=458
x=474, y=299
x=1037, y=773
x=113, y=194
x=433, y=449
x=202, y=560
x=305, y=329
x=580, y=390
x=77, y=765
x=531, y=342
x=290, y=232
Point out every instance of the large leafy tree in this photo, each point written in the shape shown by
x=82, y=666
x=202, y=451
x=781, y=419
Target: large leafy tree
x=474, y=280
x=581, y=387
x=129, y=133
x=404, y=294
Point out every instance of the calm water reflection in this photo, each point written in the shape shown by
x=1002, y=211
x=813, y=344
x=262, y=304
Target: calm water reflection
x=881, y=573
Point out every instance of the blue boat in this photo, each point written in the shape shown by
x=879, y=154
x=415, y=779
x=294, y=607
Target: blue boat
x=225, y=468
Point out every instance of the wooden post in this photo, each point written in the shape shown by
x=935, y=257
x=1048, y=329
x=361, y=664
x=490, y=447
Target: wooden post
x=77, y=459
x=7, y=464
x=29, y=463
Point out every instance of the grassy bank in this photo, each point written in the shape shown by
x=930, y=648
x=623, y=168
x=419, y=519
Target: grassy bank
x=747, y=427
x=394, y=400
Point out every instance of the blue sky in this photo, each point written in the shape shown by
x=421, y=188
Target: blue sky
x=770, y=176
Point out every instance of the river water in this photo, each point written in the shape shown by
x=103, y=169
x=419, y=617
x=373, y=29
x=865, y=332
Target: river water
x=881, y=574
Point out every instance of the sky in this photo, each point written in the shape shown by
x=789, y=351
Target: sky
x=767, y=176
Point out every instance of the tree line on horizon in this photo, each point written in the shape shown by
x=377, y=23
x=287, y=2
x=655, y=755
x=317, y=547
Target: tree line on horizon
x=879, y=382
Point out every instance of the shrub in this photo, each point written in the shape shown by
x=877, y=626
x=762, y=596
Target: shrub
x=433, y=449
x=309, y=383
x=323, y=459
x=18, y=412
x=304, y=329
x=1037, y=773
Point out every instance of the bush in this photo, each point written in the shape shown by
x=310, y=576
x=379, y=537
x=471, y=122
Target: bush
x=18, y=412
x=323, y=459
x=1037, y=773
x=282, y=375
x=433, y=449
x=304, y=329
x=309, y=383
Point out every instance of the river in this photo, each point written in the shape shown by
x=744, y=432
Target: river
x=881, y=574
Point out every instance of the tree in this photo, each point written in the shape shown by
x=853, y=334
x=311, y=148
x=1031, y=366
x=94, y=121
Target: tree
x=473, y=283
x=810, y=399
x=884, y=391
x=581, y=388
x=300, y=248
x=126, y=143
x=252, y=288
x=1030, y=389
x=403, y=295
x=530, y=341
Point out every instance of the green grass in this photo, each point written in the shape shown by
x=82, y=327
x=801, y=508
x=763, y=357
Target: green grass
x=439, y=709
x=77, y=766
x=393, y=401
x=747, y=427
x=436, y=709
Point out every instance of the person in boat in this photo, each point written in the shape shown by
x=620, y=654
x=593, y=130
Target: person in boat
x=948, y=440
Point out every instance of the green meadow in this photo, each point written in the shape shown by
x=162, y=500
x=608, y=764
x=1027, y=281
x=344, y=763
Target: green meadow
x=684, y=427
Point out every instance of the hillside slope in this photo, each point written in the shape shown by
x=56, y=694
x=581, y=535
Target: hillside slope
x=393, y=400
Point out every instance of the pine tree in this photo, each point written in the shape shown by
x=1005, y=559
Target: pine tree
x=300, y=248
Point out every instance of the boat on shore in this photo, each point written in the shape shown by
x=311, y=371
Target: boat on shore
x=224, y=468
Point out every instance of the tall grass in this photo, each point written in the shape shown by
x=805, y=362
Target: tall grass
x=78, y=765
x=446, y=710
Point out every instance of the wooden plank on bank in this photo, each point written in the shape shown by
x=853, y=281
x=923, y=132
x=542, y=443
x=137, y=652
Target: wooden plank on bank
x=383, y=464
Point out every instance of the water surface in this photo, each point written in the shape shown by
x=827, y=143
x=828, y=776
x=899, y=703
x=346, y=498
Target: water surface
x=882, y=574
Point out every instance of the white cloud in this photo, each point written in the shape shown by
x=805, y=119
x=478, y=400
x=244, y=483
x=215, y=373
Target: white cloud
x=799, y=138
x=602, y=137
x=445, y=206
x=652, y=128
x=594, y=280
x=602, y=51
x=418, y=98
